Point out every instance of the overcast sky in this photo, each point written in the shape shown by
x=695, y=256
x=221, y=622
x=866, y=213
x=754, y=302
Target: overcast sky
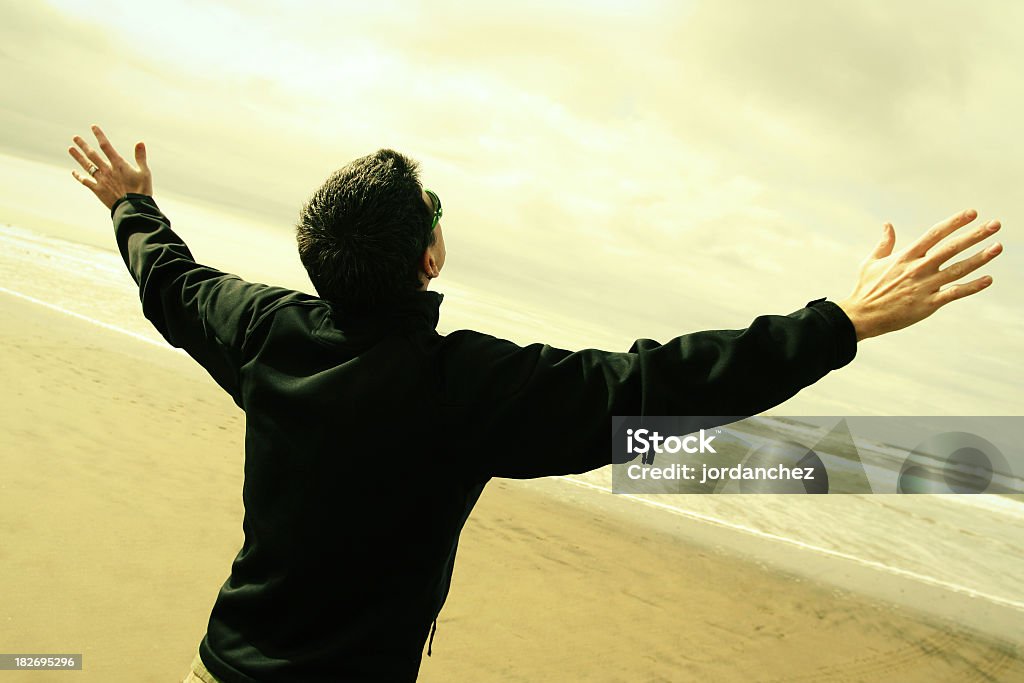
x=609, y=170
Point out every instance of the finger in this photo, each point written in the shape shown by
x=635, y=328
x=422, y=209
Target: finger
x=80, y=158
x=86, y=180
x=969, y=265
x=885, y=247
x=954, y=292
x=940, y=231
x=91, y=154
x=951, y=248
x=108, y=149
x=140, y=156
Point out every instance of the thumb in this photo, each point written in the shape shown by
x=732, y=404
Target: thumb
x=140, y=156
x=885, y=246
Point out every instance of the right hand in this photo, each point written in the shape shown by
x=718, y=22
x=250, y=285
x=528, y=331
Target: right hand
x=896, y=291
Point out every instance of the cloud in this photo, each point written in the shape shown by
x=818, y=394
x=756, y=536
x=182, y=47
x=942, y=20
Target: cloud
x=662, y=166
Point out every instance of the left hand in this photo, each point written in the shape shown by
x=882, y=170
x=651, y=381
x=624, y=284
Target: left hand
x=113, y=177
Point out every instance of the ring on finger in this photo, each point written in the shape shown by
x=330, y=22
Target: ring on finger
x=92, y=170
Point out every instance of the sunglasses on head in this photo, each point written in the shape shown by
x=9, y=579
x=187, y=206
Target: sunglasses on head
x=437, y=208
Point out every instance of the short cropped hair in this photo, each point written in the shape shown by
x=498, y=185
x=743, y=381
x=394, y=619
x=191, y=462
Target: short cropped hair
x=362, y=233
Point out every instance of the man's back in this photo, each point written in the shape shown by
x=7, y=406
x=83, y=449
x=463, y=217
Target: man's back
x=351, y=520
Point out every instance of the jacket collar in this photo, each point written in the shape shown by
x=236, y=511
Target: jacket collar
x=412, y=311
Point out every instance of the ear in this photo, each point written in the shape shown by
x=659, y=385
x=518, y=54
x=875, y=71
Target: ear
x=428, y=265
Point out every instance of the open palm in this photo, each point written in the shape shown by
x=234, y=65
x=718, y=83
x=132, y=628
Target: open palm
x=113, y=177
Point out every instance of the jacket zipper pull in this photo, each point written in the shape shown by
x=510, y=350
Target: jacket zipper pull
x=433, y=630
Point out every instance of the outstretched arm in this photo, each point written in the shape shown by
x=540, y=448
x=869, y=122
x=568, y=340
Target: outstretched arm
x=200, y=309
x=538, y=410
x=554, y=407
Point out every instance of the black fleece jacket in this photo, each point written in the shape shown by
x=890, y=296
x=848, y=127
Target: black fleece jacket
x=368, y=439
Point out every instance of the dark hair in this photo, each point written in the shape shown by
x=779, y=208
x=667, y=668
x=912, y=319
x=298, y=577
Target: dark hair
x=363, y=231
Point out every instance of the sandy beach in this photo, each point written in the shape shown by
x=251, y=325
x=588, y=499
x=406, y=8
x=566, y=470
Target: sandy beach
x=114, y=543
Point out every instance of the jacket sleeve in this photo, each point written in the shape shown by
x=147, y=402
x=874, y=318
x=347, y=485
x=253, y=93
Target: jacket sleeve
x=199, y=309
x=557, y=419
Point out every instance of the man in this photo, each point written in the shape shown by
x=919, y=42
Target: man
x=369, y=436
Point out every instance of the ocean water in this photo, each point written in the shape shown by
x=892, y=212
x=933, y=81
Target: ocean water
x=968, y=544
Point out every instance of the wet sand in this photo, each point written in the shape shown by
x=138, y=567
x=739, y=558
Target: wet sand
x=120, y=513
